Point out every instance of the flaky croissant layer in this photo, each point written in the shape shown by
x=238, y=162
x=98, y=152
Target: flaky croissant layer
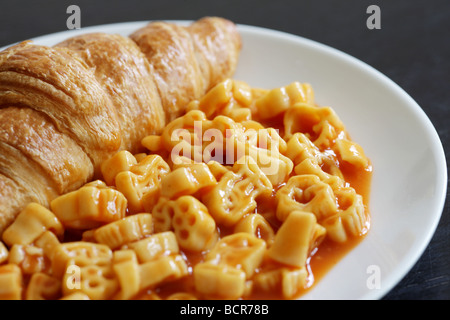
x=65, y=109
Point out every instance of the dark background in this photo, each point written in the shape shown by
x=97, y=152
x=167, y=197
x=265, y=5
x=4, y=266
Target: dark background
x=412, y=48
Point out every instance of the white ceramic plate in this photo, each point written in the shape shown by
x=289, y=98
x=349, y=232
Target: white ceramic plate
x=410, y=175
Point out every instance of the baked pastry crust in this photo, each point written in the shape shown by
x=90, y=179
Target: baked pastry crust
x=67, y=108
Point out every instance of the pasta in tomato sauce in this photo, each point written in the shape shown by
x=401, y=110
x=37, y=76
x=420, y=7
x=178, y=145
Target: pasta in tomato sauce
x=251, y=194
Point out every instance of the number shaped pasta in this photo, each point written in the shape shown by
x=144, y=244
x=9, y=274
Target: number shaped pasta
x=230, y=98
x=48, y=242
x=215, y=99
x=299, y=148
x=217, y=169
x=89, y=207
x=311, y=167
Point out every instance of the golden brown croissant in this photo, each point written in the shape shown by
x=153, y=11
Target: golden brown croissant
x=67, y=108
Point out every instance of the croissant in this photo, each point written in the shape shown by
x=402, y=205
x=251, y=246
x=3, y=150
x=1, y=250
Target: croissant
x=67, y=108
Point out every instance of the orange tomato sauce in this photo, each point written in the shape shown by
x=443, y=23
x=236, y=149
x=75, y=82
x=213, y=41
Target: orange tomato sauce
x=324, y=258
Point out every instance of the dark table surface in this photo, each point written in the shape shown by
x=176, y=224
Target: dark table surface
x=412, y=48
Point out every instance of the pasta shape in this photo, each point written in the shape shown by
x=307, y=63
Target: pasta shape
x=255, y=224
x=3, y=253
x=231, y=200
x=42, y=287
x=284, y=280
x=166, y=268
x=10, y=282
x=140, y=184
x=194, y=228
x=320, y=124
x=121, y=232
x=31, y=223
x=295, y=239
x=279, y=100
x=126, y=268
x=121, y=161
x=29, y=258
x=163, y=213
x=234, y=195
x=155, y=246
x=351, y=152
x=240, y=250
x=305, y=193
x=219, y=281
x=48, y=242
x=85, y=267
x=230, y=98
x=351, y=220
x=89, y=206
x=187, y=180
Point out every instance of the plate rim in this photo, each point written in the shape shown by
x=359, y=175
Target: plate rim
x=441, y=183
